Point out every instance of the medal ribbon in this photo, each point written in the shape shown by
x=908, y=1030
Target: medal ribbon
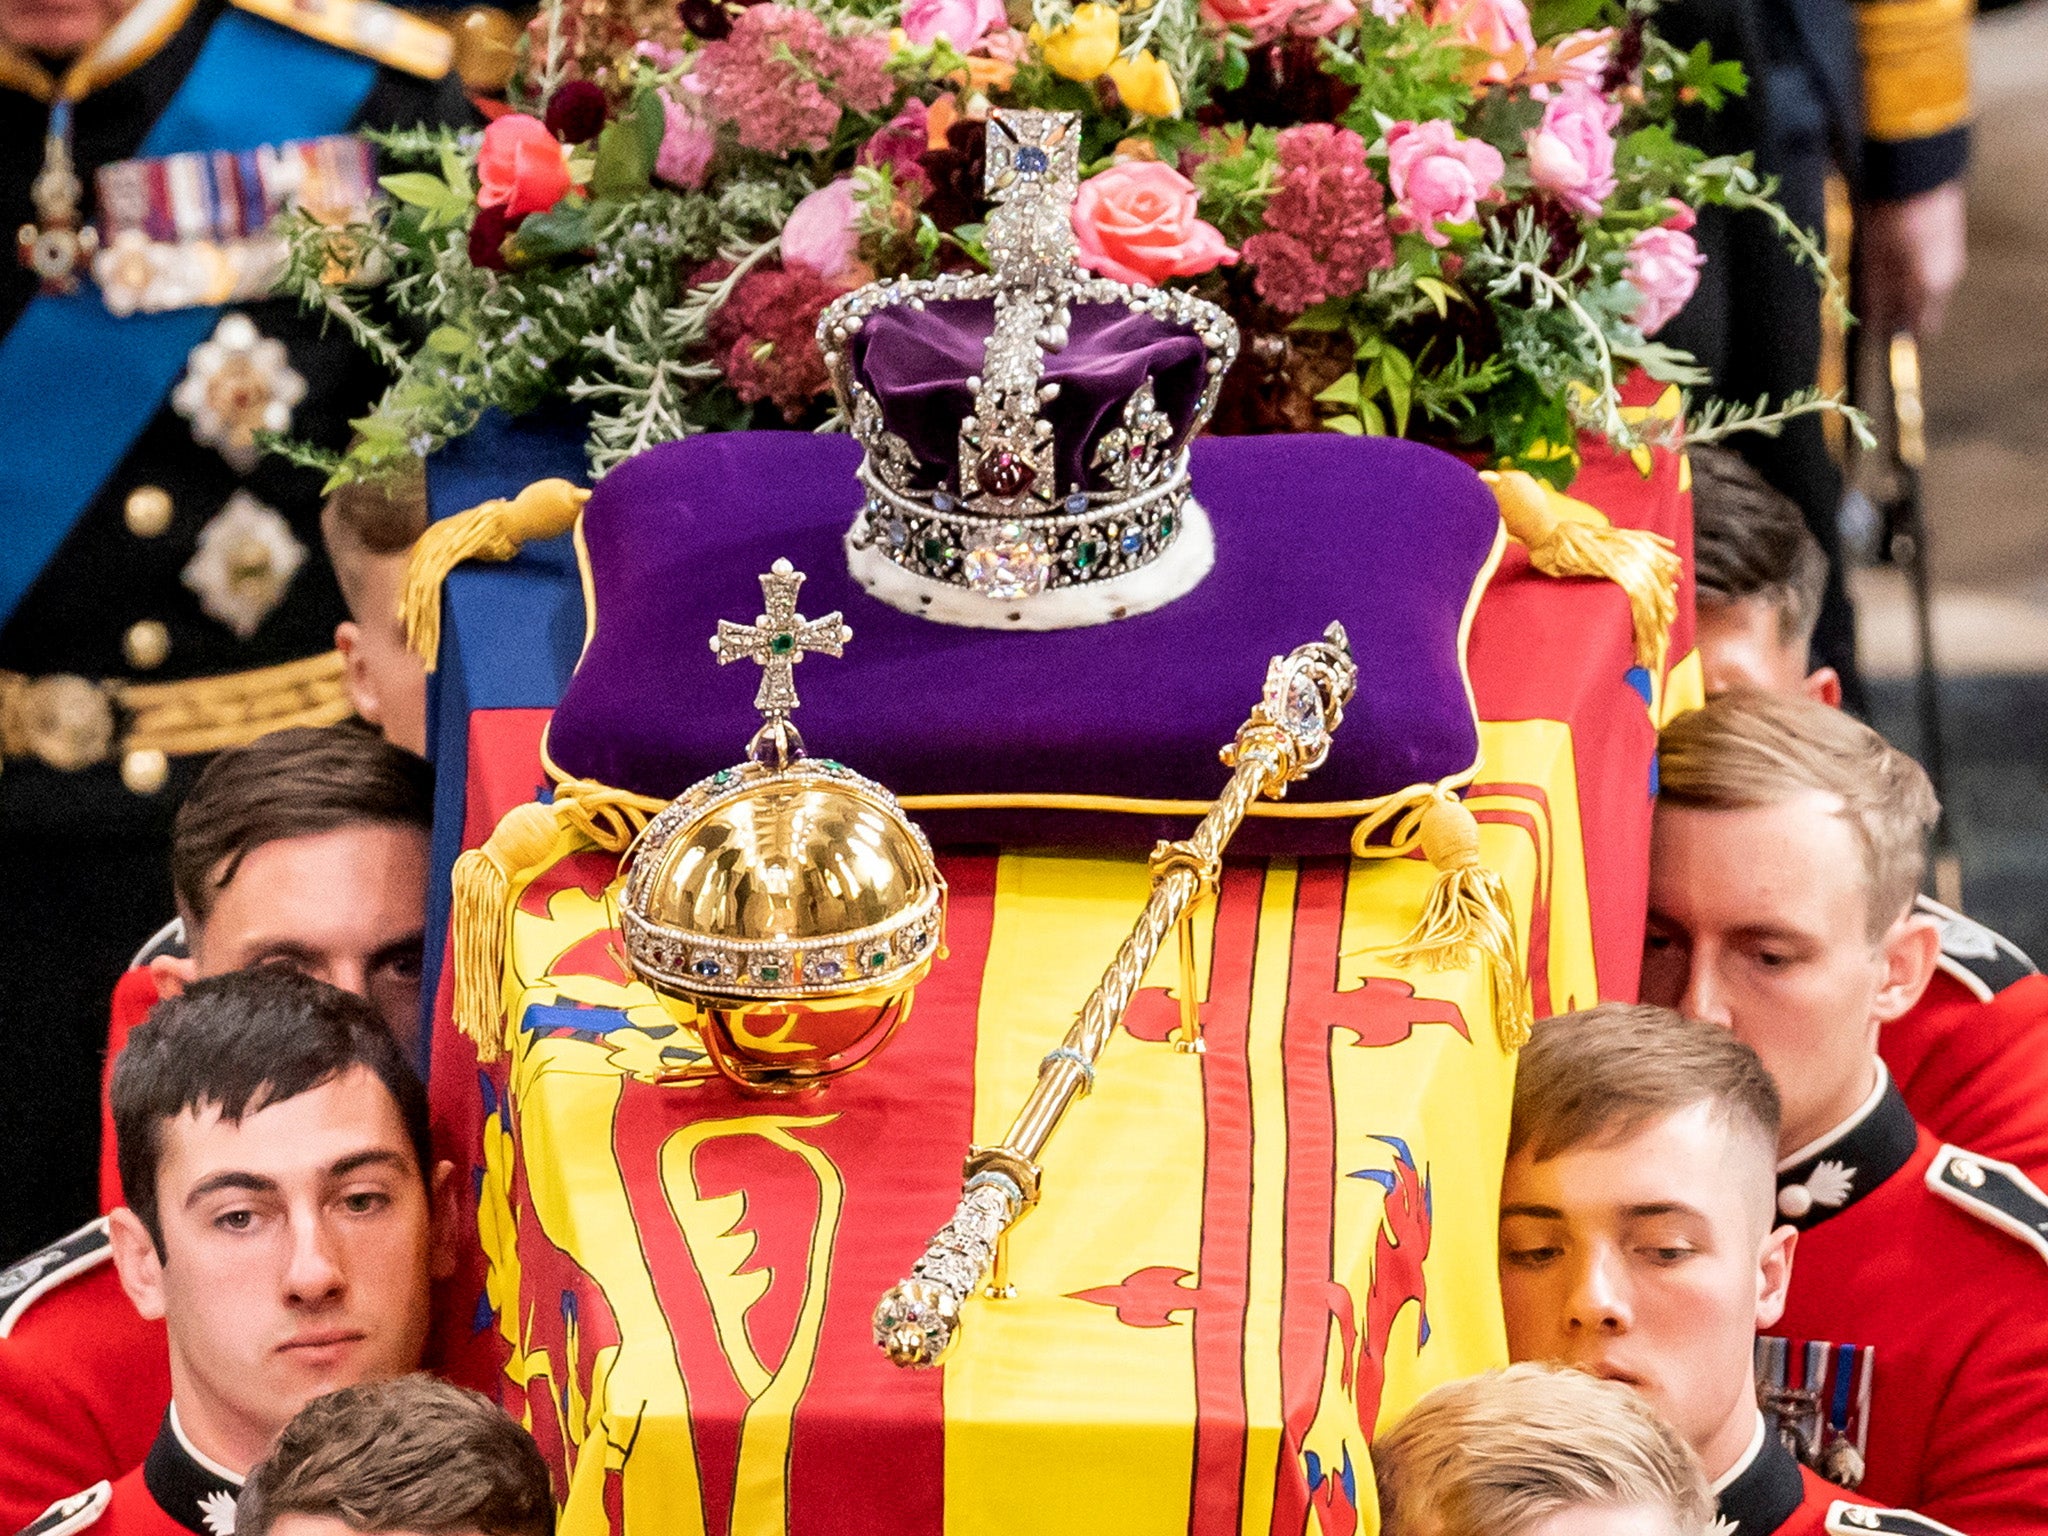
x=77, y=385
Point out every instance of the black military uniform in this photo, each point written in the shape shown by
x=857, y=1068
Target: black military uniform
x=189, y=607
x=1876, y=88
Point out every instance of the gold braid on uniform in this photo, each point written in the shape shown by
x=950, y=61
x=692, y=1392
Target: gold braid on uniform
x=1916, y=67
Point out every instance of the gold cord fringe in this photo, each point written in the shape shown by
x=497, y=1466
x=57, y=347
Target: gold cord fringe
x=1645, y=565
x=484, y=888
x=1468, y=909
x=493, y=531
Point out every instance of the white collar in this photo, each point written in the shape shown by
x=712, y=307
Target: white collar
x=185, y=1444
x=1743, y=1462
x=1863, y=1112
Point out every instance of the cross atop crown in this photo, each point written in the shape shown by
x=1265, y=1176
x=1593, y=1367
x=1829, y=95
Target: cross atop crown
x=776, y=641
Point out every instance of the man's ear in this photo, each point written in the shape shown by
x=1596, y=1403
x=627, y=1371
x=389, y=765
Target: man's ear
x=172, y=974
x=1825, y=685
x=356, y=677
x=136, y=1261
x=1774, y=1275
x=447, y=1220
x=1910, y=950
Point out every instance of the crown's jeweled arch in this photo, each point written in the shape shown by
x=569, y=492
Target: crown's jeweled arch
x=1006, y=521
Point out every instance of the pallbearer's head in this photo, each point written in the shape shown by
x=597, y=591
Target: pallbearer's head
x=1638, y=1236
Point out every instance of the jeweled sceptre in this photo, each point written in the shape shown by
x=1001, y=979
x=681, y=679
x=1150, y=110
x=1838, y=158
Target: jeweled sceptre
x=1286, y=738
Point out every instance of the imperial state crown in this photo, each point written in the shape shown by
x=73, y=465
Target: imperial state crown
x=1025, y=429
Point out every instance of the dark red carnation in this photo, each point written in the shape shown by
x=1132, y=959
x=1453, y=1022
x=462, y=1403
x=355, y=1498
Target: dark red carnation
x=765, y=337
x=487, y=235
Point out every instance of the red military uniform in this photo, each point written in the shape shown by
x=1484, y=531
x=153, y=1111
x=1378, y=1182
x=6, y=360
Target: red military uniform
x=1773, y=1495
x=84, y=1379
x=1971, y=1057
x=1915, y=1338
x=134, y=996
x=175, y=1492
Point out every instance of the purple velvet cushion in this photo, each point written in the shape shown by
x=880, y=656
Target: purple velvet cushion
x=918, y=364
x=1386, y=536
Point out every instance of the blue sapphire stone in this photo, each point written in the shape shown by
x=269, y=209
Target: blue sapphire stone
x=1077, y=503
x=1031, y=160
x=1132, y=541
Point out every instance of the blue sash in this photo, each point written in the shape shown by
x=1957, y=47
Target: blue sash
x=77, y=385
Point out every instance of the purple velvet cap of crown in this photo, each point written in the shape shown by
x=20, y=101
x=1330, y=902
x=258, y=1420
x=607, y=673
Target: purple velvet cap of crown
x=1386, y=536
x=916, y=363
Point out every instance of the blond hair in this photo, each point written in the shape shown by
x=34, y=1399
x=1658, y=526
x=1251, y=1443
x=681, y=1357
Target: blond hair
x=1494, y=1454
x=1604, y=1073
x=1748, y=749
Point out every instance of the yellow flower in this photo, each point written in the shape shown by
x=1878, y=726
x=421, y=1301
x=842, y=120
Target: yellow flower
x=1085, y=46
x=1146, y=85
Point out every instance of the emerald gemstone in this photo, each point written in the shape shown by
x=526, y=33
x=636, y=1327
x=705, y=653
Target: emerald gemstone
x=768, y=973
x=937, y=551
x=782, y=644
x=877, y=959
x=1086, y=553
x=1166, y=526
x=723, y=776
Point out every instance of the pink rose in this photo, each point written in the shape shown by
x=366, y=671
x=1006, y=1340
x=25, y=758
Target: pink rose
x=820, y=235
x=901, y=144
x=687, y=141
x=1136, y=223
x=1571, y=153
x=959, y=22
x=1498, y=27
x=1664, y=267
x=1267, y=19
x=519, y=167
x=1438, y=178
x=1581, y=57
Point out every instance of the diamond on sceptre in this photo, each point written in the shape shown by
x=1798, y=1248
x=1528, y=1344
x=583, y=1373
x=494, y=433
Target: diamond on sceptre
x=777, y=640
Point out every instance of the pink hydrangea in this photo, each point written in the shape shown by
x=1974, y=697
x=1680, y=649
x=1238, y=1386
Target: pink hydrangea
x=1664, y=267
x=1438, y=178
x=783, y=79
x=1326, y=227
x=1571, y=152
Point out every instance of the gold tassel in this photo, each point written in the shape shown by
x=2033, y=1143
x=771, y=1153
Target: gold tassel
x=1645, y=565
x=483, y=897
x=1468, y=908
x=493, y=531
x=599, y=816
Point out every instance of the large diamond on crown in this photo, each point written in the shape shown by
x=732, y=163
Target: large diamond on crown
x=1025, y=429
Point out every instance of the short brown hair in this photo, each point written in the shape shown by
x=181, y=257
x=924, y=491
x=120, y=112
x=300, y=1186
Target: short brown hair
x=1749, y=749
x=291, y=783
x=240, y=1043
x=1494, y=1454
x=1750, y=540
x=367, y=518
x=412, y=1455
x=1606, y=1072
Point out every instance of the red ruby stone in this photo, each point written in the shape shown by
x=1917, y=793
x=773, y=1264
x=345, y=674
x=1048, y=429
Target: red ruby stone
x=1005, y=474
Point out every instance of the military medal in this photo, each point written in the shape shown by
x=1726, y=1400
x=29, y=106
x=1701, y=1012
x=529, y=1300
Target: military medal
x=1817, y=1397
x=58, y=246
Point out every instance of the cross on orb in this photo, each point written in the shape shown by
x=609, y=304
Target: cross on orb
x=778, y=639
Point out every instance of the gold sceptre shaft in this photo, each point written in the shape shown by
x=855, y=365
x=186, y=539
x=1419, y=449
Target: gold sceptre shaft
x=1287, y=737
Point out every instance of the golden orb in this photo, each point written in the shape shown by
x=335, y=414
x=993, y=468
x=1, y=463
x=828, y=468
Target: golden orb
x=785, y=912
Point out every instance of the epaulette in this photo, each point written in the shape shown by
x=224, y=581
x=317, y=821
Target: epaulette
x=1993, y=1192
x=72, y=1514
x=395, y=38
x=1982, y=959
x=1846, y=1519
x=32, y=1278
